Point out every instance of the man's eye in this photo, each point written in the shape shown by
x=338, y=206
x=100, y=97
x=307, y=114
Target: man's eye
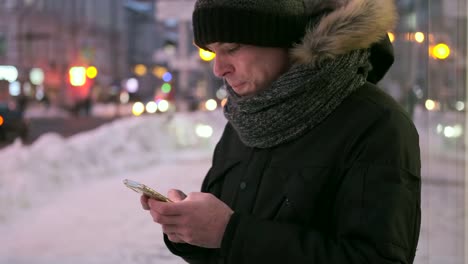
x=233, y=48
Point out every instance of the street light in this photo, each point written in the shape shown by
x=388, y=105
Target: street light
x=159, y=71
x=140, y=70
x=440, y=51
x=419, y=37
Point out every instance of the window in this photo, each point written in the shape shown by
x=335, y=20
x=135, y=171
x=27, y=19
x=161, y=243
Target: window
x=429, y=80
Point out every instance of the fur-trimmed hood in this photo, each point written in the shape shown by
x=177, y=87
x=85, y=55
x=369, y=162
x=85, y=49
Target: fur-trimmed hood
x=349, y=25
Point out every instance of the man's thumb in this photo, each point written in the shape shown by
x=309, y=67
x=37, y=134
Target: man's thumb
x=176, y=195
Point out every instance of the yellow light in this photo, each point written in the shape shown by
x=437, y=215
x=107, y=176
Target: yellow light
x=163, y=105
x=419, y=37
x=211, y=105
x=140, y=69
x=440, y=51
x=151, y=107
x=159, y=71
x=138, y=108
x=91, y=72
x=77, y=76
x=430, y=104
x=206, y=55
x=391, y=36
x=1, y=120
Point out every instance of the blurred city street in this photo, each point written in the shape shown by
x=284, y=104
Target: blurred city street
x=443, y=191
x=94, y=92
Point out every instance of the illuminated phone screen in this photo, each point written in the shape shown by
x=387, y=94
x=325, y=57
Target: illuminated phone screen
x=143, y=189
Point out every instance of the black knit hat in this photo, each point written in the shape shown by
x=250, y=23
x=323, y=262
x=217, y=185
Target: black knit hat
x=278, y=23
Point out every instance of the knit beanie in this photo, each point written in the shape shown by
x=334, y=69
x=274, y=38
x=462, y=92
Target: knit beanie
x=268, y=23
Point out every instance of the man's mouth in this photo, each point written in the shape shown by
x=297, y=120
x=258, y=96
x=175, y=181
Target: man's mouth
x=237, y=84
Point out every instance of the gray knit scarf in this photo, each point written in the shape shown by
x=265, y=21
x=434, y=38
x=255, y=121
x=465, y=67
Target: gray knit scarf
x=299, y=100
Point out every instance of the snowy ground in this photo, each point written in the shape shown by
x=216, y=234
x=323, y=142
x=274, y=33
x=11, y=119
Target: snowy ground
x=63, y=201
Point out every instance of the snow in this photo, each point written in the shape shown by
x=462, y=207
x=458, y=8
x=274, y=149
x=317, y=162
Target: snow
x=63, y=200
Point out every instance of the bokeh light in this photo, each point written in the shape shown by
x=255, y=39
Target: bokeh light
x=8, y=72
x=211, y=105
x=163, y=105
x=166, y=88
x=77, y=76
x=419, y=37
x=204, y=131
x=36, y=76
x=91, y=72
x=140, y=69
x=132, y=85
x=206, y=55
x=391, y=36
x=151, y=107
x=167, y=77
x=124, y=97
x=430, y=105
x=224, y=102
x=138, y=108
x=440, y=51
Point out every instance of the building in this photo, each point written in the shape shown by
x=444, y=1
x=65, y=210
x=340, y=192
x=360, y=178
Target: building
x=54, y=36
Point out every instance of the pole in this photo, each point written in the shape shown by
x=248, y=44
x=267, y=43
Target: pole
x=183, y=57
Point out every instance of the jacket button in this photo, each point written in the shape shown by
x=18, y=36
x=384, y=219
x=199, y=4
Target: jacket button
x=243, y=185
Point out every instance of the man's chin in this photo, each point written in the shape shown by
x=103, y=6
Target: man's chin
x=240, y=89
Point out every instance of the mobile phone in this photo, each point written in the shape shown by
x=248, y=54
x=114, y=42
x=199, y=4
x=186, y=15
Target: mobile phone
x=143, y=189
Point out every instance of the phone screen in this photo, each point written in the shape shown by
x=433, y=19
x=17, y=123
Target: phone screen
x=143, y=189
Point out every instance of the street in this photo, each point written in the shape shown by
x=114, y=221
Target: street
x=442, y=238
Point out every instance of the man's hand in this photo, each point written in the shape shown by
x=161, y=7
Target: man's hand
x=173, y=195
x=200, y=219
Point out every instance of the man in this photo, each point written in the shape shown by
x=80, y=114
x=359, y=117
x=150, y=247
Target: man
x=316, y=164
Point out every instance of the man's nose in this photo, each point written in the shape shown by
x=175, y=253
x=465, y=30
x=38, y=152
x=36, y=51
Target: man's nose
x=221, y=67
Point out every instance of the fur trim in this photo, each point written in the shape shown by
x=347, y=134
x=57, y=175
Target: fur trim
x=351, y=25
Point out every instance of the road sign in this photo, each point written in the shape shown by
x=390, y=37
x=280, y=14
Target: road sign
x=174, y=9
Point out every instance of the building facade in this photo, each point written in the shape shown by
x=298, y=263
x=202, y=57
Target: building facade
x=54, y=36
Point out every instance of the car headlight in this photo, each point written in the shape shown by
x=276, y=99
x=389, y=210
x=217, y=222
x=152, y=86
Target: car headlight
x=447, y=131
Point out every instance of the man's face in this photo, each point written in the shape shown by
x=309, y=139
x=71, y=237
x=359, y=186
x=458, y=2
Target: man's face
x=248, y=69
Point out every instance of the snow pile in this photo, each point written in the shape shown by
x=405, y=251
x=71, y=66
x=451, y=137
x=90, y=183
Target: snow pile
x=30, y=175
